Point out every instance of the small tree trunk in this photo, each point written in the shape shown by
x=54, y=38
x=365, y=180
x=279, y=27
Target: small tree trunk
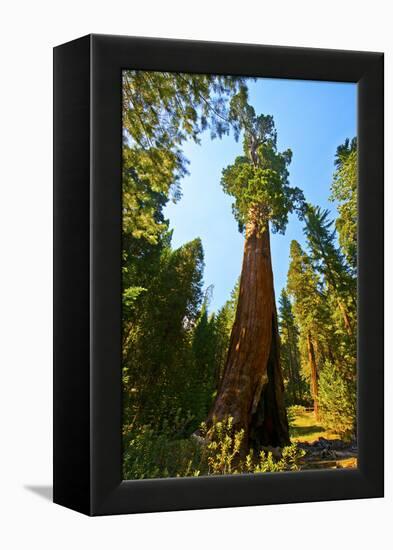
x=347, y=322
x=314, y=375
x=252, y=389
x=295, y=367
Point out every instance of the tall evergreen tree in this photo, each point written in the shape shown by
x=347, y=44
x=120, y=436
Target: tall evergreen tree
x=330, y=263
x=224, y=322
x=289, y=351
x=201, y=376
x=344, y=191
x=251, y=391
x=157, y=358
x=304, y=287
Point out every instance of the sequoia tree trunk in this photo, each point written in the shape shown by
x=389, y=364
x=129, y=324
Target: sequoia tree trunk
x=252, y=389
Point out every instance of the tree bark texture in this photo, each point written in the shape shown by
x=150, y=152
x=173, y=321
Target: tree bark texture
x=252, y=389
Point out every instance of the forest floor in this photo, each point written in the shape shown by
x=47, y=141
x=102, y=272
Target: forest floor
x=324, y=449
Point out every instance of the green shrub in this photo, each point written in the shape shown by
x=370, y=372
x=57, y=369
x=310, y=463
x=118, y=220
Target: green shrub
x=266, y=462
x=223, y=453
x=218, y=451
x=337, y=401
x=147, y=455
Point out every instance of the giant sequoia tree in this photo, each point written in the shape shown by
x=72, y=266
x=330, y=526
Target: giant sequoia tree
x=251, y=390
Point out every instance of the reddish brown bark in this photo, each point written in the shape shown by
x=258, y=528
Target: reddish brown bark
x=314, y=373
x=252, y=389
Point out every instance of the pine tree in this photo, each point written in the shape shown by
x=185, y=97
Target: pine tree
x=304, y=287
x=157, y=359
x=330, y=263
x=201, y=376
x=223, y=323
x=344, y=190
x=289, y=352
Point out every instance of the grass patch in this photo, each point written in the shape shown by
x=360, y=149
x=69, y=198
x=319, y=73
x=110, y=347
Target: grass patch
x=305, y=428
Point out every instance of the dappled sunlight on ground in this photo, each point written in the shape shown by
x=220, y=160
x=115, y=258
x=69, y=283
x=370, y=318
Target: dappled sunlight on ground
x=305, y=428
x=323, y=448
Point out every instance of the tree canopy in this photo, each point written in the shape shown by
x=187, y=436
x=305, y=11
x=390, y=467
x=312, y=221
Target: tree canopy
x=259, y=179
x=160, y=112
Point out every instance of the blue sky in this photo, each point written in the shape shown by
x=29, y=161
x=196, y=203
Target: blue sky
x=312, y=119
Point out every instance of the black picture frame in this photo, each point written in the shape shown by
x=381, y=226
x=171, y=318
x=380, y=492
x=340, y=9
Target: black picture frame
x=87, y=274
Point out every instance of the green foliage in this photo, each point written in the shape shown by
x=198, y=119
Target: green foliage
x=170, y=344
x=290, y=457
x=258, y=181
x=337, y=400
x=157, y=350
x=160, y=112
x=202, y=375
x=295, y=384
x=148, y=454
x=327, y=258
x=261, y=191
x=223, y=453
x=165, y=109
x=147, y=179
x=338, y=281
x=223, y=326
x=323, y=287
x=304, y=286
x=222, y=450
x=130, y=296
x=174, y=351
x=344, y=190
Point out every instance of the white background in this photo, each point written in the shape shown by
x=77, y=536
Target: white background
x=28, y=31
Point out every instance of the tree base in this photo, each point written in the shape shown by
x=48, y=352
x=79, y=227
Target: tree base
x=269, y=423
